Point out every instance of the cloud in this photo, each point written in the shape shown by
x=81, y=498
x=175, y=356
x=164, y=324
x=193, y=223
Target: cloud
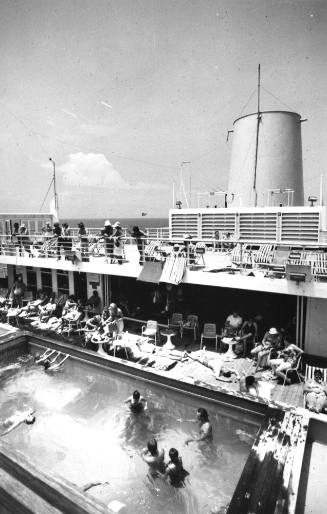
x=91, y=170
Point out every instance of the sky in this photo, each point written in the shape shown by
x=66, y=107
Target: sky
x=119, y=93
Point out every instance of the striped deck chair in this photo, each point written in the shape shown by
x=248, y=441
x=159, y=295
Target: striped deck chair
x=310, y=370
x=319, y=265
x=236, y=254
x=151, y=251
x=265, y=254
x=174, y=269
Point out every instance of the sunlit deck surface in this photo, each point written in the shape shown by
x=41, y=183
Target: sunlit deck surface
x=193, y=372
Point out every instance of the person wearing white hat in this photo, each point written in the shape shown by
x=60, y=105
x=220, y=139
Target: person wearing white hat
x=271, y=340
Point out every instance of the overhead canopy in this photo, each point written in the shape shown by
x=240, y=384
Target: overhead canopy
x=151, y=272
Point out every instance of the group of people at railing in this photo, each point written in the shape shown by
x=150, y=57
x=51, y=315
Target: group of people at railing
x=60, y=240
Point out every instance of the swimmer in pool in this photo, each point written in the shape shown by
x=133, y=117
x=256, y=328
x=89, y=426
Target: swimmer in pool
x=205, y=428
x=154, y=458
x=174, y=471
x=17, y=419
x=137, y=403
x=52, y=365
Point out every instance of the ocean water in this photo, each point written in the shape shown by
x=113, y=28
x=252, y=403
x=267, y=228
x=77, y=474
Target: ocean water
x=129, y=223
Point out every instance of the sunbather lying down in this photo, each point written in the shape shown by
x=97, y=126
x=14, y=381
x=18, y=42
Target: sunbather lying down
x=221, y=372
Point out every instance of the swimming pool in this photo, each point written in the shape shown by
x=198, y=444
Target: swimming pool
x=84, y=433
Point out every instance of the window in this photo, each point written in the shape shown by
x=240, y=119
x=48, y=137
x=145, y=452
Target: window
x=31, y=280
x=63, y=282
x=46, y=280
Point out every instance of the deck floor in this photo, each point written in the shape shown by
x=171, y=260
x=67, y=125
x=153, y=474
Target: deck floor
x=194, y=372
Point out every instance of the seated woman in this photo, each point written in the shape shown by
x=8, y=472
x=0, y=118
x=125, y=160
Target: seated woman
x=47, y=310
x=93, y=303
x=233, y=324
x=32, y=307
x=286, y=359
x=74, y=314
x=271, y=340
x=249, y=332
x=315, y=392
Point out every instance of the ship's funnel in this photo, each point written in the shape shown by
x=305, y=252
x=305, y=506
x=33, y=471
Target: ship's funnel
x=266, y=164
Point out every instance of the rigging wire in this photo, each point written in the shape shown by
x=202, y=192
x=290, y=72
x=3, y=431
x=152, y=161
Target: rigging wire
x=278, y=99
x=248, y=101
x=46, y=195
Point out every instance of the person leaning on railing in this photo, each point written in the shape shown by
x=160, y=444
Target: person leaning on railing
x=140, y=238
x=82, y=234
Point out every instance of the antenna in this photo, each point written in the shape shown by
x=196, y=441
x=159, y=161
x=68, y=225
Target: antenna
x=257, y=143
x=54, y=185
x=183, y=192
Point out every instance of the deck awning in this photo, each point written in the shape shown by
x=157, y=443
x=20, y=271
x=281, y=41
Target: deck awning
x=151, y=272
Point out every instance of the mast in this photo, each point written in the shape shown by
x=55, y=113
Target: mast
x=256, y=144
x=55, y=194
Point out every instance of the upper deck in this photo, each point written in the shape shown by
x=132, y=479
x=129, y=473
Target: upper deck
x=292, y=269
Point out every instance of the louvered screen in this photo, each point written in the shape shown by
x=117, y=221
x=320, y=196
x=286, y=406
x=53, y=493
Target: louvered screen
x=258, y=226
x=211, y=222
x=184, y=224
x=300, y=226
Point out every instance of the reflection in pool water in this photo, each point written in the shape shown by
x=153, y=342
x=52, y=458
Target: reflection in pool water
x=85, y=433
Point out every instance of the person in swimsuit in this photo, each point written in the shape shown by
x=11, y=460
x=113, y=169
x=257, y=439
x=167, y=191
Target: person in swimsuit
x=137, y=404
x=205, y=427
x=174, y=471
x=154, y=458
x=17, y=419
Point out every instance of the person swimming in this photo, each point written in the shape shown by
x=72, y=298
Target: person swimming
x=137, y=404
x=154, y=458
x=205, y=428
x=17, y=419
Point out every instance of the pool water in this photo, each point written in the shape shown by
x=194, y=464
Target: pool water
x=85, y=433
